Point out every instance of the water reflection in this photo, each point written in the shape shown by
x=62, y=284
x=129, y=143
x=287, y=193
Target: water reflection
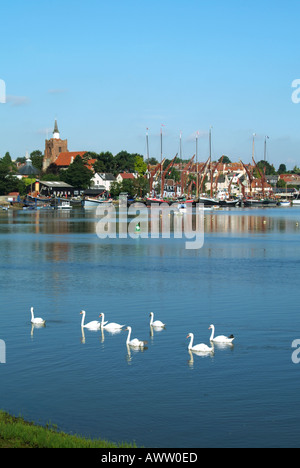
x=81, y=222
x=34, y=326
x=131, y=352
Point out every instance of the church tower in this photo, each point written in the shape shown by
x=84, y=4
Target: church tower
x=54, y=147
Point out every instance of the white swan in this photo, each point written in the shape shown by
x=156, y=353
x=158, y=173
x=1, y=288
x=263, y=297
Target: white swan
x=220, y=339
x=135, y=343
x=36, y=321
x=200, y=348
x=110, y=326
x=157, y=323
x=92, y=325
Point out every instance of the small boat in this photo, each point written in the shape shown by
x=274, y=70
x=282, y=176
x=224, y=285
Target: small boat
x=285, y=203
x=296, y=201
x=64, y=205
x=209, y=201
x=95, y=202
x=228, y=203
x=252, y=202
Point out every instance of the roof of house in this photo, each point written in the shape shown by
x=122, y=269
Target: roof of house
x=66, y=158
x=108, y=176
x=125, y=175
x=56, y=184
x=28, y=169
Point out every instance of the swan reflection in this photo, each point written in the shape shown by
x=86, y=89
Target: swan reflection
x=33, y=326
x=132, y=351
x=199, y=354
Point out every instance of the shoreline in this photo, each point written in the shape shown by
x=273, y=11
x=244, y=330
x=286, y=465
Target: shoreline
x=15, y=432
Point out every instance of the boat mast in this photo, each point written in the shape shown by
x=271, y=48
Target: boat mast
x=265, y=149
x=180, y=145
x=161, y=159
x=211, y=174
x=197, y=167
x=147, y=145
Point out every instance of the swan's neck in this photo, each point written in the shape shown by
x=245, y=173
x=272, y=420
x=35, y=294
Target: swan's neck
x=83, y=318
x=102, y=321
x=129, y=335
x=151, y=321
x=191, y=342
x=32, y=314
x=212, y=333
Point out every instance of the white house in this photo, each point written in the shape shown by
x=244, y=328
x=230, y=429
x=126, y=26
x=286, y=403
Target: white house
x=102, y=181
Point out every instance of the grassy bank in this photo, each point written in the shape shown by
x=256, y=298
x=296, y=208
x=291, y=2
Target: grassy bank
x=17, y=433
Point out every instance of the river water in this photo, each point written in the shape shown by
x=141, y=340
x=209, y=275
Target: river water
x=245, y=281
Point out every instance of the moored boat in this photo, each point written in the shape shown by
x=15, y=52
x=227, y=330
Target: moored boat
x=95, y=202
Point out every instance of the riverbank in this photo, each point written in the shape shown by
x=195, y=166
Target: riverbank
x=18, y=433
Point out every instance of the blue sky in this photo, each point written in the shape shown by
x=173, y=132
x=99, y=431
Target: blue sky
x=107, y=70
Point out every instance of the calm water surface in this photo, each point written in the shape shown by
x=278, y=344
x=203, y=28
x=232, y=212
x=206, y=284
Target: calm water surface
x=245, y=280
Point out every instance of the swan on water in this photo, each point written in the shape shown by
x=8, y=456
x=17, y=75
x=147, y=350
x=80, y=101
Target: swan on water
x=36, y=321
x=92, y=325
x=220, y=339
x=135, y=343
x=157, y=323
x=110, y=326
x=200, y=348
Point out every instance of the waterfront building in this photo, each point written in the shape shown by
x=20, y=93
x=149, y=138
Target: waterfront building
x=103, y=181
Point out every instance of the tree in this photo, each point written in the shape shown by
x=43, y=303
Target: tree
x=37, y=159
x=140, y=166
x=7, y=162
x=124, y=162
x=8, y=182
x=262, y=165
x=77, y=174
x=282, y=169
x=226, y=160
x=281, y=184
x=105, y=162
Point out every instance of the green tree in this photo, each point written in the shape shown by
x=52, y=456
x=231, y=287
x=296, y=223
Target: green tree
x=105, y=162
x=8, y=163
x=226, y=160
x=77, y=174
x=8, y=182
x=282, y=169
x=37, y=159
x=262, y=165
x=124, y=162
x=281, y=183
x=140, y=166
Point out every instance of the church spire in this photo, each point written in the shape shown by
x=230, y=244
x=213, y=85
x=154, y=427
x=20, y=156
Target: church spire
x=56, y=134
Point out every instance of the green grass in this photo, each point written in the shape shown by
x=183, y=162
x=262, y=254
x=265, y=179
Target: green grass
x=17, y=433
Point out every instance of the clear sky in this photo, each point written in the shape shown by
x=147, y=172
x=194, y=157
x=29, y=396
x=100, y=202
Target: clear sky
x=107, y=70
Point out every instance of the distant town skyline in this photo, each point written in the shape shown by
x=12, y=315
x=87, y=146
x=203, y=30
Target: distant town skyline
x=107, y=71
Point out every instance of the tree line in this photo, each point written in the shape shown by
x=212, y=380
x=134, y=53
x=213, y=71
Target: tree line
x=79, y=176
